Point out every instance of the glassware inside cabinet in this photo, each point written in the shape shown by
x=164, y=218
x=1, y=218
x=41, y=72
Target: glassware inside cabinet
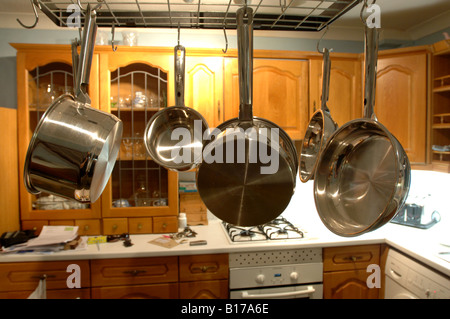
x=137, y=92
x=45, y=84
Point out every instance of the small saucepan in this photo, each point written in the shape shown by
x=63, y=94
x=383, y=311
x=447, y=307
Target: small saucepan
x=235, y=182
x=74, y=147
x=174, y=136
x=320, y=128
x=363, y=175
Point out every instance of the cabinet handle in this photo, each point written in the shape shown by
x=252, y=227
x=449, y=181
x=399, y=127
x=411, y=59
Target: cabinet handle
x=164, y=225
x=44, y=276
x=86, y=227
x=353, y=258
x=135, y=272
x=218, y=110
x=203, y=268
x=139, y=226
x=114, y=227
x=314, y=106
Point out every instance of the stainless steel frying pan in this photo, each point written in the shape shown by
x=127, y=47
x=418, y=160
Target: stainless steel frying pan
x=74, y=147
x=363, y=177
x=320, y=128
x=164, y=145
x=237, y=191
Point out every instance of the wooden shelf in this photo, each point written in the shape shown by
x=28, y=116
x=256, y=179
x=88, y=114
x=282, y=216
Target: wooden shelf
x=441, y=126
x=136, y=109
x=441, y=152
x=439, y=89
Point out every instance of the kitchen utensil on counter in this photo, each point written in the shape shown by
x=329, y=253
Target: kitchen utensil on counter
x=363, y=175
x=233, y=187
x=414, y=215
x=164, y=147
x=74, y=147
x=320, y=128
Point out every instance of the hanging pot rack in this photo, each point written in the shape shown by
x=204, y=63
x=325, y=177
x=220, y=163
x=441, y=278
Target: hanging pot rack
x=281, y=15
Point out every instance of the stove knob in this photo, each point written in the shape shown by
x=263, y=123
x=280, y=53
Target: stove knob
x=294, y=275
x=260, y=279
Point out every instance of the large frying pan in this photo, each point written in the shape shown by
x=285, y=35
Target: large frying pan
x=235, y=187
x=162, y=145
x=74, y=147
x=320, y=128
x=363, y=174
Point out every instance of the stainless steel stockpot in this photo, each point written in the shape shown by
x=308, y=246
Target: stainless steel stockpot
x=74, y=147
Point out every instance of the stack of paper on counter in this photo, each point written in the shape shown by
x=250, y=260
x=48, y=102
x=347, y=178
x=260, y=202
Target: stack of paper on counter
x=51, y=239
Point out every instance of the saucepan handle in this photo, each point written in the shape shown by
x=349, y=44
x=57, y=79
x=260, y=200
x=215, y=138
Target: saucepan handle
x=244, y=19
x=326, y=79
x=180, y=57
x=371, y=56
x=86, y=53
x=75, y=58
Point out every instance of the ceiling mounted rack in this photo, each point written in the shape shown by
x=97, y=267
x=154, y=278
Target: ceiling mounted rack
x=284, y=15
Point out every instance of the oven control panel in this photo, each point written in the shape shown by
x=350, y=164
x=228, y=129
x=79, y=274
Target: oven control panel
x=264, y=276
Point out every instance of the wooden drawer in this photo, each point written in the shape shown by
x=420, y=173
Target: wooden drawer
x=35, y=225
x=115, y=226
x=26, y=275
x=140, y=225
x=88, y=227
x=167, y=224
x=203, y=267
x=130, y=271
x=61, y=222
x=209, y=289
x=155, y=291
x=75, y=293
x=350, y=257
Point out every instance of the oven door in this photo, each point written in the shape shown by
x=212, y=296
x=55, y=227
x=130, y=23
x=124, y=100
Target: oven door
x=313, y=291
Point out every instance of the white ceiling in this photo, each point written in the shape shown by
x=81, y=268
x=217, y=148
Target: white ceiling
x=400, y=19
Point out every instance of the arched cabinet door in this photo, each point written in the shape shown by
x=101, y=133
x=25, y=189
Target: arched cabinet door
x=134, y=86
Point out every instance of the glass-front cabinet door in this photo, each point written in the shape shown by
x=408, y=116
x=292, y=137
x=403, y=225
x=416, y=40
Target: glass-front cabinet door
x=42, y=77
x=141, y=196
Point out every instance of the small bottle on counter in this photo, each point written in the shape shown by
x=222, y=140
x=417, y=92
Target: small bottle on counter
x=182, y=221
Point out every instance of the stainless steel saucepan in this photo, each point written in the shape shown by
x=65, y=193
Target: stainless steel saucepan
x=74, y=147
x=164, y=139
x=363, y=177
x=232, y=180
x=320, y=128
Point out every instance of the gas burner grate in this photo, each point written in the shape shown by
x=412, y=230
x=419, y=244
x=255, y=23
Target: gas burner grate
x=285, y=15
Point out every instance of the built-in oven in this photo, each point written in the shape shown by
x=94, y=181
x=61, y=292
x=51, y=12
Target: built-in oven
x=277, y=274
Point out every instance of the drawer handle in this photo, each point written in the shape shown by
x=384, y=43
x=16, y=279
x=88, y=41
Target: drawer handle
x=86, y=227
x=139, y=226
x=44, y=276
x=134, y=272
x=114, y=227
x=203, y=268
x=353, y=258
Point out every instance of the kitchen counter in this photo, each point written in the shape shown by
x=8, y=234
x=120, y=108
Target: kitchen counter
x=419, y=244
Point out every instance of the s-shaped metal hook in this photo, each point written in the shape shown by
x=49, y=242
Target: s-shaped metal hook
x=33, y=4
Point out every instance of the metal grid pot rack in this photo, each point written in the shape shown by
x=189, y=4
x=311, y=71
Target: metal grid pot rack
x=284, y=15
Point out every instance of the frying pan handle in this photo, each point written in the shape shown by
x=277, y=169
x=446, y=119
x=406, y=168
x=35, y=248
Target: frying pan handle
x=180, y=57
x=75, y=58
x=86, y=53
x=244, y=19
x=371, y=56
x=326, y=79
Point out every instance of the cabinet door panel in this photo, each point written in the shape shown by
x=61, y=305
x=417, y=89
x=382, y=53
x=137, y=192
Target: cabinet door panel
x=204, y=87
x=351, y=284
x=157, y=291
x=212, y=289
x=401, y=101
x=280, y=93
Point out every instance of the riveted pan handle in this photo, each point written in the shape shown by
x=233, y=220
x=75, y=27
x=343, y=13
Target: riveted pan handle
x=371, y=56
x=244, y=19
x=180, y=57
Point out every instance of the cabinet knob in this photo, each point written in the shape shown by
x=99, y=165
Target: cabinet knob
x=139, y=226
x=114, y=227
x=86, y=227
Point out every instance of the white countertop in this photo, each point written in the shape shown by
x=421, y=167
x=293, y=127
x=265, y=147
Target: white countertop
x=419, y=244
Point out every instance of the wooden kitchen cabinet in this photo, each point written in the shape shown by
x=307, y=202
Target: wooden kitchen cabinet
x=280, y=92
x=345, y=272
x=401, y=98
x=204, y=276
x=18, y=280
x=345, y=93
x=135, y=83
x=44, y=72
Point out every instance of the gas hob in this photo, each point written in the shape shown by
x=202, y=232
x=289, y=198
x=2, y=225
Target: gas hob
x=278, y=229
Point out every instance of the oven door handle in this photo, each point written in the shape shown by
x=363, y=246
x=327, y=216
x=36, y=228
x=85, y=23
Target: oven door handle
x=310, y=290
